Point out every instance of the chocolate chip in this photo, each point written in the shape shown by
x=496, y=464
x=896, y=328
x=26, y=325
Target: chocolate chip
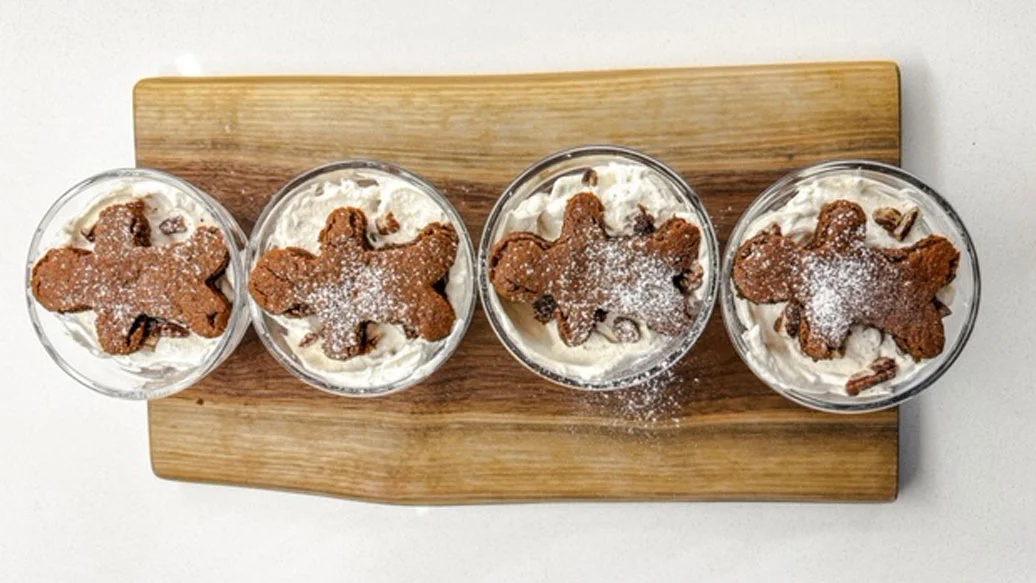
x=643, y=224
x=600, y=315
x=409, y=331
x=544, y=307
x=689, y=281
x=789, y=320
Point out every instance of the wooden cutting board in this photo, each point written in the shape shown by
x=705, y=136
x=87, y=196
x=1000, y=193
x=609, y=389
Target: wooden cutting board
x=483, y=429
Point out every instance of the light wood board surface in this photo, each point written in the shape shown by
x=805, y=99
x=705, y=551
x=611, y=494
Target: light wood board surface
x=483, y=429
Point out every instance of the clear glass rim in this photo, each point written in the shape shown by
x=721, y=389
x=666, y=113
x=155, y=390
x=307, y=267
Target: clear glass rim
x=730, y=318
x=254, y=251
x=232, y=233
x=688, y=195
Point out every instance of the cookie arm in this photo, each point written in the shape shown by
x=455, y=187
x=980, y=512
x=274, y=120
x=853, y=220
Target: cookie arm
x=206, y=311
x=429, y=314
x=208, y=251
x=921, y=336
x=933, y=260
x=574, y=325
x=676, y=242
x=429, y=257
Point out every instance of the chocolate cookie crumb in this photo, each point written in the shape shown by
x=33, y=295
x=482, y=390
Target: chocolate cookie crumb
x=691, y=279
x=387, y=224
x=590, y=177
x=173, y=225
x=309, y=339
x=643, y=224
x=789, y=319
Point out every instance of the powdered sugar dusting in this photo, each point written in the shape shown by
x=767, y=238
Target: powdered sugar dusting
x=654, y=404
x=625, y=282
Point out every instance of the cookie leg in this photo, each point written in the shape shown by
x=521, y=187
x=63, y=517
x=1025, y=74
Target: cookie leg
x=346, y=340
x=205, y=311
x=120, y=333
x=574, y=326
x=431, y=316
x=922, y=336
x=817, y=346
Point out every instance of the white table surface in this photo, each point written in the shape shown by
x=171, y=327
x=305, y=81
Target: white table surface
x=78, y=501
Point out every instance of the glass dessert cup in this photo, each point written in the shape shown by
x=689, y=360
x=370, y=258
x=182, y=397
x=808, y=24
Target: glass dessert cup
x=526, y=345
x=72, y=344
x=936, y=217
x=373, y=374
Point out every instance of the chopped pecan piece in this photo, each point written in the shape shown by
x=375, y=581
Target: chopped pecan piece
x=881, y=370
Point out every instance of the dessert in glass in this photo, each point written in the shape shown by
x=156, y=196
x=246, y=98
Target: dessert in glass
x=849, y=286
x=361, y=278
x=598, y=268
x=136, y=284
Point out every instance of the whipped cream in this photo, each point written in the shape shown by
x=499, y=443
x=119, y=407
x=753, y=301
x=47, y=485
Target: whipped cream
x=395, y=357
x=624, y=189
x=161, y=201
x=780, y=354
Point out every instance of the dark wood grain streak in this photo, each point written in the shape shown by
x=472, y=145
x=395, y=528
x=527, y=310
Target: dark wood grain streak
x=482, y=428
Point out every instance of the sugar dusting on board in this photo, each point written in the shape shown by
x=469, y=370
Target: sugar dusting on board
x=639, y=410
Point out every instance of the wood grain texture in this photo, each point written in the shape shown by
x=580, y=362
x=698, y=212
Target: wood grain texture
x=483, y=429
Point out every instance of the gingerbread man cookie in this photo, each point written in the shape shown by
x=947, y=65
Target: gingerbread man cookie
x=350, y=284
x=835, y=280
x=585, y=274
x=139, y=292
